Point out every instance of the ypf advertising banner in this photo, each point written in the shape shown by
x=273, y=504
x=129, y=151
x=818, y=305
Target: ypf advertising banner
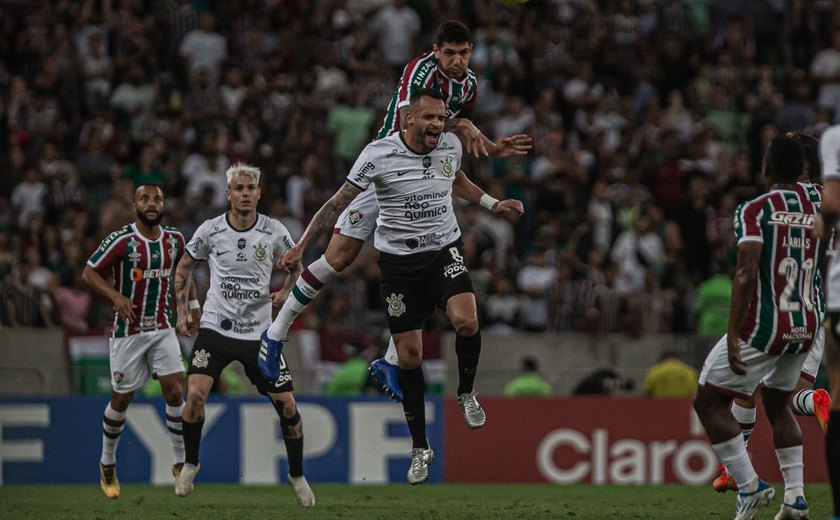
x=362, y=440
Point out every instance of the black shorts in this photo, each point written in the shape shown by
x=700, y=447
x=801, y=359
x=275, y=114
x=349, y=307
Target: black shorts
x=411, y=286
x=212, y=352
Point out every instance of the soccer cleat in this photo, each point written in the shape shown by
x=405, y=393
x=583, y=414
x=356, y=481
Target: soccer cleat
x=269, y=357
x=796, y=511
x=724, y=482
x=176, y=470
x=303, y=493
x=473, y=412
x=749, y=504
x=387, y=375
x=108, y=480
x=822, y=407
x=418, y=472
x=186, y=480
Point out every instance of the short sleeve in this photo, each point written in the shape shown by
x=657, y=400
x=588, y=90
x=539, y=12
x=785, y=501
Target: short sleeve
x=198, y=247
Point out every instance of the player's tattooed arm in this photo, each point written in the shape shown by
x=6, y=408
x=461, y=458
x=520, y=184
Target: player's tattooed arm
x=184, y=290
x=323, y=221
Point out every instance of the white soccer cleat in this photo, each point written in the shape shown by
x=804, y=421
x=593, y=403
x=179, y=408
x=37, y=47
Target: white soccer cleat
x=748, y=504
x=184, y=484
x=303, y=493
x=798, y=510
x=473, y=412
x=418, y=472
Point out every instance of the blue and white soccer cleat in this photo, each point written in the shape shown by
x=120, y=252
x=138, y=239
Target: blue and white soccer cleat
x=269, y=357
x=748, y=504
x=387, y=375
x=795, y=511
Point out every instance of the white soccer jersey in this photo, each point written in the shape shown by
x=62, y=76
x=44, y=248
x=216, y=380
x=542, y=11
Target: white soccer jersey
x=414, y=192
x=238, y=303
x=830, y=159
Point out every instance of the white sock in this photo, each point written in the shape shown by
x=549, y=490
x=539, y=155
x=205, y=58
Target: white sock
x=311, y=281
x=803, y=402
x=391, y=353
x=113, y=423
x=790, y=462
x=174, y=424
x=746, y=418
x=733, y=455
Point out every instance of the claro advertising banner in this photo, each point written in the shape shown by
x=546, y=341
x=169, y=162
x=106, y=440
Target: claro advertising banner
x=598, y=440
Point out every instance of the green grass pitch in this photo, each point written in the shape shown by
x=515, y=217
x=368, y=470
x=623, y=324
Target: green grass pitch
x=431, y=501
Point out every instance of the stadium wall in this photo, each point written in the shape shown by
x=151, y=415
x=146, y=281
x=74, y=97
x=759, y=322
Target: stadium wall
x=598, y=440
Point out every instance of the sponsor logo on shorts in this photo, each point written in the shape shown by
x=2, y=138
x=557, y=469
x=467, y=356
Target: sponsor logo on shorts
x=396, y=305
x=454, y=270
x=118, y=376
x=201, y=358
x=355, y=217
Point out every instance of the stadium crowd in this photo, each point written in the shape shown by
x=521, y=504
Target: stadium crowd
x=649, y=119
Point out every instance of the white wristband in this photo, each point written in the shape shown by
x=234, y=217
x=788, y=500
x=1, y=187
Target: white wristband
x=486, y=201
x=193, y=305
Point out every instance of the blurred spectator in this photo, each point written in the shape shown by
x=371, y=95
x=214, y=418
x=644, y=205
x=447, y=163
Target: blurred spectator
x=825, y=68
x=204, y=49
x=73, y=302
x=398, y=27
x=604, y=381
x=501, y=309
x=528, y=382
x=28, y=197
x=711, y=304
x=670, y=377
x=134, y=99
x=635, y=251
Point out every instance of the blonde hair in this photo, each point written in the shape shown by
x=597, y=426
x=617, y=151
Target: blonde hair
x=243, y=169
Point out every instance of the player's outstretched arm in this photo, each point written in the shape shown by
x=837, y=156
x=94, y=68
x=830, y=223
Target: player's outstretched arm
x=323, y=221
x=473, y=141
x=466, y=189
x=122, y=305
x=184, y=292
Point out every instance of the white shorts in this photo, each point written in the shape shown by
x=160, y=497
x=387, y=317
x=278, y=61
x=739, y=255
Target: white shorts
x=779, y=372
x=814, y=356
x=358, y=220
x=134, y=358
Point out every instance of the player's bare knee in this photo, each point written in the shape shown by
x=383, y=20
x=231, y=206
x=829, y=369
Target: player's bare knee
x=342, y=251
x=466, y=327
x=196, y=399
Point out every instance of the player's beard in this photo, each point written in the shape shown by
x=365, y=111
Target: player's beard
x=148, y=221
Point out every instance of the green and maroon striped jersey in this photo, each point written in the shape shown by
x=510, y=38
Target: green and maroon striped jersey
x=142, y=270
x=814, y=193
x=423, y=72
x=786, y=309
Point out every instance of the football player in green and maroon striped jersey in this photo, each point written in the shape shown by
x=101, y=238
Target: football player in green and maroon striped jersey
x=141, y=257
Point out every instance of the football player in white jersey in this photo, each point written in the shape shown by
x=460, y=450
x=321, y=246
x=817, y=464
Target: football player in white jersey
x=415, y=173
x=446, y=69
x=830, y=157
x=241, y=247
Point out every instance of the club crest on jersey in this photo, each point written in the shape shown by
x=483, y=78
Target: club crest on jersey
x=447, y=166
x=240, y=243
x=173, y=248
x=792, y=219
x=355, y=217
x=118, y=376
x=259, y=252
x=396, y=305
x=201, y=359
